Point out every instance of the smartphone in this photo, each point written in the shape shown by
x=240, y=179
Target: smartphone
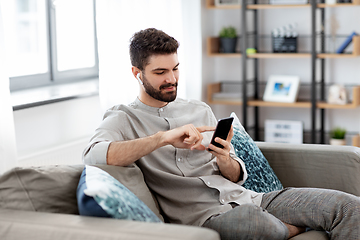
x=222, y=130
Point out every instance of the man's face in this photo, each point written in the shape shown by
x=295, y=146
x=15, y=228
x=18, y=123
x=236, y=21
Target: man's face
x=160, y=77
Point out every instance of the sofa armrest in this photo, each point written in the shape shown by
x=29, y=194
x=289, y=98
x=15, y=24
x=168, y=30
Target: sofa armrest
x=315, y=165
x=16, y=225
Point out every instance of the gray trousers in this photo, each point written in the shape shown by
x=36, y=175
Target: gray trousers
x=319, y=209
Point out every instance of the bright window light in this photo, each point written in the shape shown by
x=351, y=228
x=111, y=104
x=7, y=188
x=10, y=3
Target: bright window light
x=25, y=36
x=74, y=34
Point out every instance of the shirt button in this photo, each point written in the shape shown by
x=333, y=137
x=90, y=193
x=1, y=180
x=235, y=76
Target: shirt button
x=161, y=109
x=222, y=200
x=208, y=183
x=179, y=159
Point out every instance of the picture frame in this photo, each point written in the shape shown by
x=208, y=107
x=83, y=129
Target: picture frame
x=282, y=88
x=227, y=2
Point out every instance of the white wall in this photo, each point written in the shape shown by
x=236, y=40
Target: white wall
x=55, y=126
x=344, y=71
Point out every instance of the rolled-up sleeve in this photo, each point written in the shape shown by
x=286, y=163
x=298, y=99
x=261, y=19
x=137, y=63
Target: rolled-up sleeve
x=109, y=131
x=96, y=153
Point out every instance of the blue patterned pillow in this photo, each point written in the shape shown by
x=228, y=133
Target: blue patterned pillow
x=99, y=194
x=261, y=177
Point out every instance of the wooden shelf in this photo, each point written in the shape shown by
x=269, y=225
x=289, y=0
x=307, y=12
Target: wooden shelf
x=320, y=5
x=210, y=4
x=355, y=53
x=216, y=87
x=336, y=55
x=279, y=55
x=356, y=140
x=274, y=6
x=354, y=104
x=213, y=49
x=261, y=103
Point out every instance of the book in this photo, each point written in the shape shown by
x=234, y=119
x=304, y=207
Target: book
x=346, y=43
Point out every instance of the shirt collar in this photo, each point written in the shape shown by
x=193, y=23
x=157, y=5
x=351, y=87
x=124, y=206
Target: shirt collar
x=140, y=105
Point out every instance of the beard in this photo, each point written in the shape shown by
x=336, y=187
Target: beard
x=158, y=94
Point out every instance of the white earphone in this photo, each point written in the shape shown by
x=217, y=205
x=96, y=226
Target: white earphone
x=138, y=77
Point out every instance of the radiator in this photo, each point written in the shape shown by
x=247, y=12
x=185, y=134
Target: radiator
x=66, y=154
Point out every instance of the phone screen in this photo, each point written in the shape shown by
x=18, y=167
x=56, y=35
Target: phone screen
x=222, y=130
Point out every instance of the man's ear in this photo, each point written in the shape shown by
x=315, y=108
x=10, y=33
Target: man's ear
x=138, y=78
x=136, y=72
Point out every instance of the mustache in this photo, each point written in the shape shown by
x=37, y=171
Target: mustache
x=168, y=85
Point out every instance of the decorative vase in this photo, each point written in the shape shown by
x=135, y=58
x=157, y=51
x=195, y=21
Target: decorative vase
x=334, y=141
x=228, y=45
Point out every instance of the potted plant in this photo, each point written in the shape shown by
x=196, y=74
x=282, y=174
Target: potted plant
x=228, y=39
x=338, y=136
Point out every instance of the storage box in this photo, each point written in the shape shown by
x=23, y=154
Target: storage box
x=284, y=44
x=281, y=131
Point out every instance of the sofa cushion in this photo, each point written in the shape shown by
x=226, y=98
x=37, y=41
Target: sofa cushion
x=261, y=177
x=18, y=225
x=311, y=235
x=43, y=189
x=53, y=188
x=101, y=195
x=133, y=179
x=86, y=204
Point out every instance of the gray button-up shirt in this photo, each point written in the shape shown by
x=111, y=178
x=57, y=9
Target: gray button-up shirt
x=188, y=184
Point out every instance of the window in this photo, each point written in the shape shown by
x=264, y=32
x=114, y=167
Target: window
x=49, y=41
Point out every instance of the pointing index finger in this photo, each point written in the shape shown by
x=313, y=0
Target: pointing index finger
x=205, y=129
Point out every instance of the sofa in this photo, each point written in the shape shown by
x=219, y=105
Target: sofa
x=40, y=202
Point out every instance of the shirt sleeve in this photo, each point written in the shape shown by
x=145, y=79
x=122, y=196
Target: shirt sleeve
x=108, y=131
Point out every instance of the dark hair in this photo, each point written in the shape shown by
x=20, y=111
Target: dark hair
x=149, y=42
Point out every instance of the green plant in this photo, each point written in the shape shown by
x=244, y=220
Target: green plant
x=228, y=32
x=338, y=133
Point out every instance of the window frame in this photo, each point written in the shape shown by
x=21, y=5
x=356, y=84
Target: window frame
x=53, y=76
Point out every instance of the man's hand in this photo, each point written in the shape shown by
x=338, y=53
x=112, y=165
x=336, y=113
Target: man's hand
x=229, y=167
x=187, y=136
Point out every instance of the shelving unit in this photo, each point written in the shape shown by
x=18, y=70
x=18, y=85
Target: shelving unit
x=216, y=88
x=314, y=104
x=210, y=4
x=269, y=6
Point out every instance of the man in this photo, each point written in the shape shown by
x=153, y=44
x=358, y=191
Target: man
x=169, y=139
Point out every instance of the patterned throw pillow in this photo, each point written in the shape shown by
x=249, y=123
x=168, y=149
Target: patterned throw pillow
x=101, y=195
x=261, y=177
